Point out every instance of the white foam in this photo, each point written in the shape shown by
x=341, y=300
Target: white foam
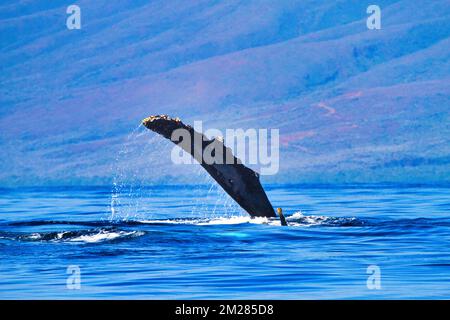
x=171, y=221
x=297, y=219
x=232, y=220
x=229, y=220
x=105, y=236
x=295, y=216
x=60, y=235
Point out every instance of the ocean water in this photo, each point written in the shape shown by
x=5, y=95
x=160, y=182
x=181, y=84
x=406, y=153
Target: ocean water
x=185, y=242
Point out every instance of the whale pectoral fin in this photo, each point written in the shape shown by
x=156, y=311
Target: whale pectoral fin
x=238, y=181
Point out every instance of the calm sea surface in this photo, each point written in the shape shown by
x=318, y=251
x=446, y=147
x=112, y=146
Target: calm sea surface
x=184, y=242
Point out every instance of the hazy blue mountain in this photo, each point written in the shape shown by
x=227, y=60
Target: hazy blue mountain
x=352, y=104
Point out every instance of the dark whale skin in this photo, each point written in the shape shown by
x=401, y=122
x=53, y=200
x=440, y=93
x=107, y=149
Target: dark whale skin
x=240, y=182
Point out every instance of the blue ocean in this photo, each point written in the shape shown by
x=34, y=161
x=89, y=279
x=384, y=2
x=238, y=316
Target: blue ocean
x=193, y=242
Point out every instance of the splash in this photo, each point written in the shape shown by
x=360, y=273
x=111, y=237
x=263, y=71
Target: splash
x=228, y=220
x=136, y=189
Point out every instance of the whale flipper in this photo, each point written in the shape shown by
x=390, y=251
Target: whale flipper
x=240, y=182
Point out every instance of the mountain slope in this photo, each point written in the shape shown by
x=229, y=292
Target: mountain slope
x=352, y=104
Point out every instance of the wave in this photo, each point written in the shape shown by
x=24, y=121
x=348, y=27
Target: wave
x=299, y=219
x=86, y=236
x=229, y=220
x=296, y=219
x=106, y=230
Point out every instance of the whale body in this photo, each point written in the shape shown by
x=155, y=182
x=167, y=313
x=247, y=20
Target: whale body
x=239, y=181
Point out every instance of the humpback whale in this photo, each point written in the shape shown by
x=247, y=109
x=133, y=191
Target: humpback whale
x=239, y=181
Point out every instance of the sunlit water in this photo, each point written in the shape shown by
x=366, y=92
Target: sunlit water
x=166, y=243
